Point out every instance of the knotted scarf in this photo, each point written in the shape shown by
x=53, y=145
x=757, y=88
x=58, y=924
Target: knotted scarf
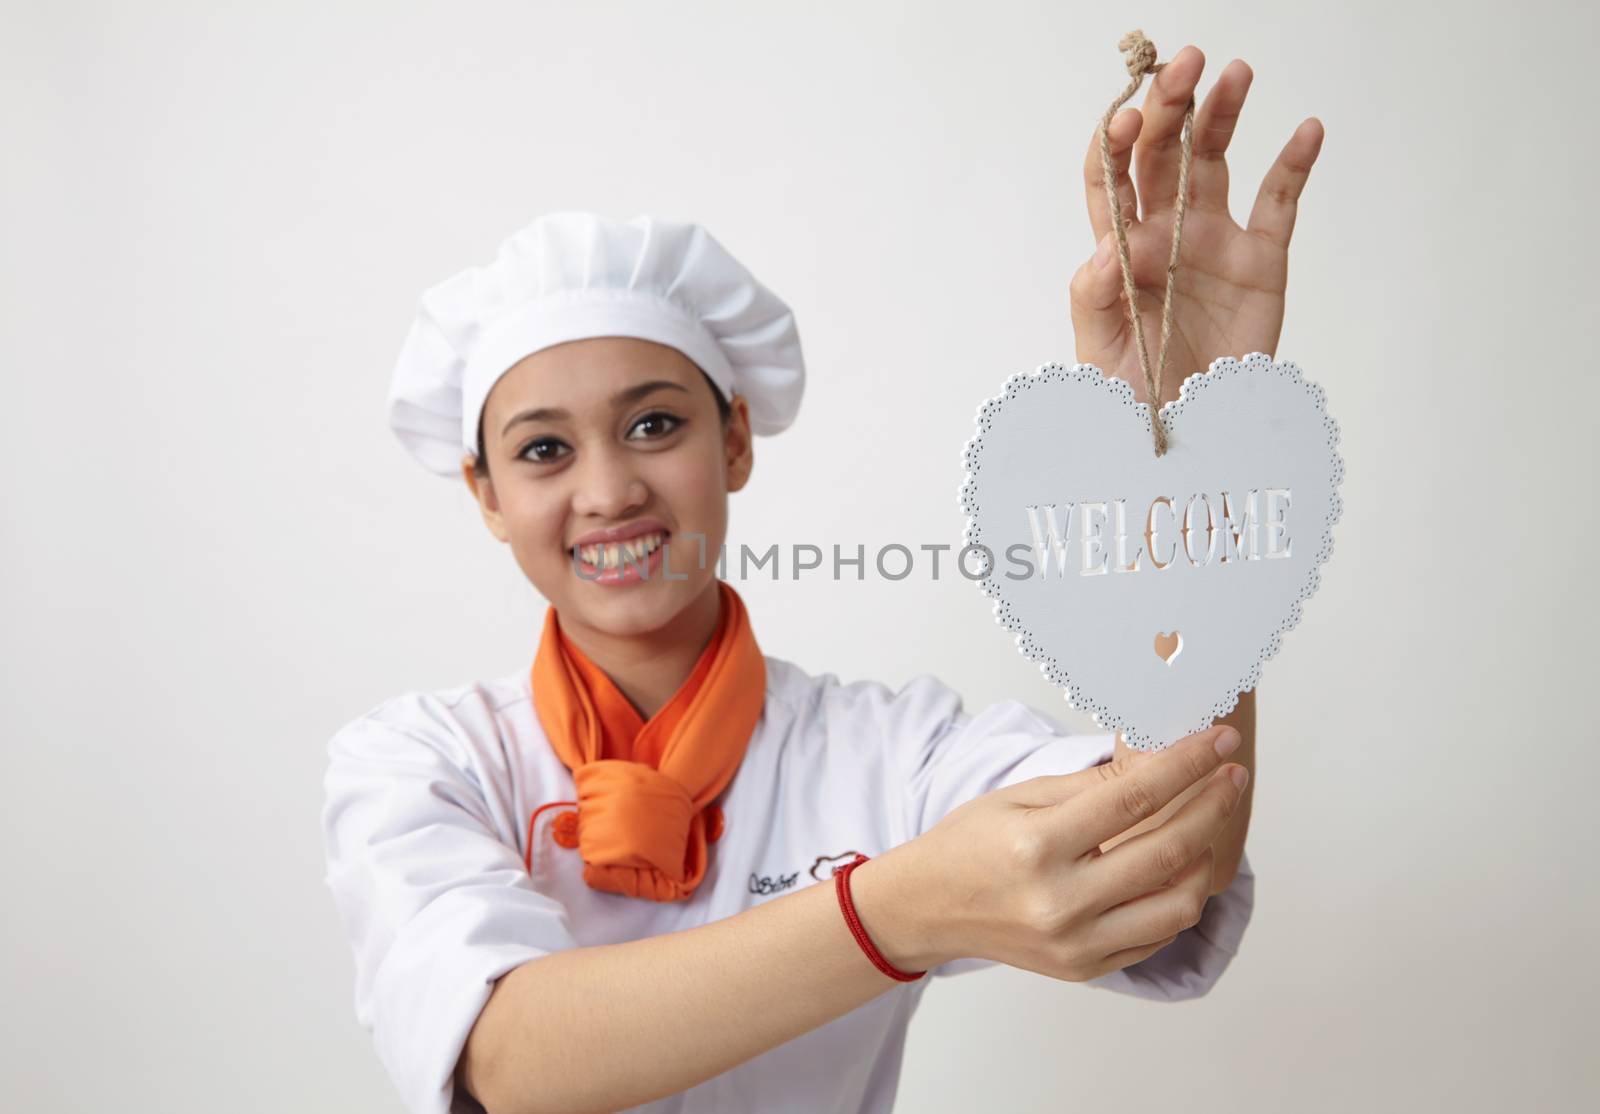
x=643, y=787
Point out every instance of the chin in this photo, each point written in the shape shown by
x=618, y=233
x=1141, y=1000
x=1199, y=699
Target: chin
x=632, y=610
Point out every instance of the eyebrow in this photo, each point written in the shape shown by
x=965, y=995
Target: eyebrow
x=618, y=400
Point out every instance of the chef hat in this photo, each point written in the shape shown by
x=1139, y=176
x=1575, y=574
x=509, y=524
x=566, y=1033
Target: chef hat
x=571, y=275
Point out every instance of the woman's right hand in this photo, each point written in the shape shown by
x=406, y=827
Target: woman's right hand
x=1021, y=878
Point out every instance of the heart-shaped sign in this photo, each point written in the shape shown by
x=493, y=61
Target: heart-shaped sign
x=1091, y=545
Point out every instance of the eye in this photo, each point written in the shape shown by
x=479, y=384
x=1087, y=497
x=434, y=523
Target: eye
x=543, y=450
x=663, y=422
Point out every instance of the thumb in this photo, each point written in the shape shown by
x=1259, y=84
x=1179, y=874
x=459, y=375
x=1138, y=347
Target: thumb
x=1096, y=297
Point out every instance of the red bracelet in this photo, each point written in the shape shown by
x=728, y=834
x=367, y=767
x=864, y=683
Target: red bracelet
x=841, y=883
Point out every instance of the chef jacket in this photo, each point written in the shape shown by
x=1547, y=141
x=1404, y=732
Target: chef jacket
x=425, y=824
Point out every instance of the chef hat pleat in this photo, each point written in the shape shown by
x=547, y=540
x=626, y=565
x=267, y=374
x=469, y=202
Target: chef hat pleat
x=571, y=275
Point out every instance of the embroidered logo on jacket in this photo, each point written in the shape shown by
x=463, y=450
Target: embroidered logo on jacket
x=823, y=868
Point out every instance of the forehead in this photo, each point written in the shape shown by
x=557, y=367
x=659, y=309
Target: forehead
x=583, y=374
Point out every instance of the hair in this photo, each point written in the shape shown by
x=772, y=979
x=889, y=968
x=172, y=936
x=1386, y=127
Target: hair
x=480, y=463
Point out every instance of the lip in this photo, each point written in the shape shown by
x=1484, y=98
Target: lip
x=622, y=533
x=629, y=572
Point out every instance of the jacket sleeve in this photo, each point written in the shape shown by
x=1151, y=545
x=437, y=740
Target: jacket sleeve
x=435, y=904
x=955, y=756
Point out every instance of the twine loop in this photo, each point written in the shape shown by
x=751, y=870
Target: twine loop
x=1139, y=54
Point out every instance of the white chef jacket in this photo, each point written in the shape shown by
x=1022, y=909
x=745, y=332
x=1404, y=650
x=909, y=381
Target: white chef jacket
x=429, y=797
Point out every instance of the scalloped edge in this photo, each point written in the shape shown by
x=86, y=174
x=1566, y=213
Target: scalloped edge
x=1026, y=643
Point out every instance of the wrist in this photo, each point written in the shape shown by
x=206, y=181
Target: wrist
x=895, y=908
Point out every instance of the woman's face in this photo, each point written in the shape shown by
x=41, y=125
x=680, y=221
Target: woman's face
x=602, y=434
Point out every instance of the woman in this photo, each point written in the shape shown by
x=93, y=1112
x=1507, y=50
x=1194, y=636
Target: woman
x=592, y=884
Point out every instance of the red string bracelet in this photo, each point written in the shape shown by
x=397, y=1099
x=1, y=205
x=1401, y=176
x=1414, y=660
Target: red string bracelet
x=841, y=883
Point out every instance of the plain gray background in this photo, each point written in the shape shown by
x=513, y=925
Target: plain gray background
x=216, y=220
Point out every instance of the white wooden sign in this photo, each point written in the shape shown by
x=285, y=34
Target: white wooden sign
x=1152, y=589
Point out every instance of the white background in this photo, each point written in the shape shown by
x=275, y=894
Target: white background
x=214, y=226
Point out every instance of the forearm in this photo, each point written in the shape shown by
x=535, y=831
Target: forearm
x=1228, y=847
x=613, y=1026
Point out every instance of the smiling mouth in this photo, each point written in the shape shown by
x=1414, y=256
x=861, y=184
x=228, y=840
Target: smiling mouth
x=614, y=555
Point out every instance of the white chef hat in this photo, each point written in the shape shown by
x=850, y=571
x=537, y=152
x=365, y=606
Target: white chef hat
x=571, y=275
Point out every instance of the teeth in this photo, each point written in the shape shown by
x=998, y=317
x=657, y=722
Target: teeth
x=611, y=556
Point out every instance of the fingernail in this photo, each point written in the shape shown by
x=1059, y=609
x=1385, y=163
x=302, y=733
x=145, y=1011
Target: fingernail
x=1240, y=776
x=1102, y=254
x=1227, y=742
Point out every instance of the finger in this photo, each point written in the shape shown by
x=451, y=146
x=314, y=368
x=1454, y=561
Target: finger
x=1133, y=792
x=1152, y=858
x=1214, y=125
x=1095, y=300
x=1156, y=153
x=1045, y=790
x=1166, y=813
x=1124, y=130
x=1159, y=914
x=1129, y=956
x=1279, y=196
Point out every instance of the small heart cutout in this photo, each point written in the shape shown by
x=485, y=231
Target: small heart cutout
x=1168, y=645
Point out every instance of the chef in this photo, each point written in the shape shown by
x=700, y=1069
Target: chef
x=657, y=865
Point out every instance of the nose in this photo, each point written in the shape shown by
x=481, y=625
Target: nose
x=608, y=485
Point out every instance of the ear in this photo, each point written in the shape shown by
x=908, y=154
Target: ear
x=483, y=491
x=739, y=444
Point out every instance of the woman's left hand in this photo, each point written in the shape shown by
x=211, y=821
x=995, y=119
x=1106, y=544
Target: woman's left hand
x=1229, y=292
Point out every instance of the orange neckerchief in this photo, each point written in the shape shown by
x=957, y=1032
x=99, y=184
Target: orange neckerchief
x=643, y=786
